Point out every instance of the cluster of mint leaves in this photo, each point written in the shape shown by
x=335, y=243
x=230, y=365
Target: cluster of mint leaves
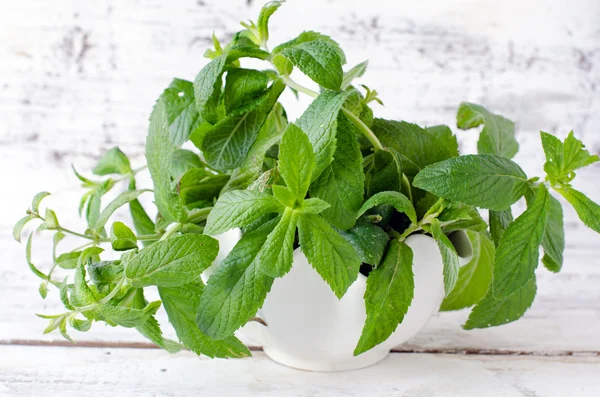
x=346, y=188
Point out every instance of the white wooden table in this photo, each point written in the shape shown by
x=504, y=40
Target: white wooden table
x=80, y=77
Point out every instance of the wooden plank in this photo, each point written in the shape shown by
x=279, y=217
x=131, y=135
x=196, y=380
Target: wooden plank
x=43, y=371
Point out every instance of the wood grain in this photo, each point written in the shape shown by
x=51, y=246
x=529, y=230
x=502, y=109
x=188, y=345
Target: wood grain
x=80, y=77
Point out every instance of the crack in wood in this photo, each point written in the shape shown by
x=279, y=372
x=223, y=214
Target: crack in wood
x=464, y=352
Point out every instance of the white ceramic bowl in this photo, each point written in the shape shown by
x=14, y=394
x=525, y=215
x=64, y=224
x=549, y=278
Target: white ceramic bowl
x=309, y=328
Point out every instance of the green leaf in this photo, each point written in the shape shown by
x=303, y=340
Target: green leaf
x=390, y=290
x=296, y=160
x=64, y=297
x=105, y=272
x=319, y=123
x=181, y=304
x=498, y=134
x=562, y=159
x=122, y=238
x=68, y=260
x=269, y=134
x=499, y=221
x=490, y=312
x=277, y=253
x=37, y=199
x=199, y=188
x=113, y=162
x=172, y=262
x=383, y=171
x=180, y=106
x=239, y=208
x=517, y=254
x=141, y=221
x=51, y=221
x=587, y=210
x=18, y=228
x=320, y=61
x=341, y=184
x=475, y=277
x=183, y=161
x=82, y=294
x=368, y=240
x=285, y=196
x=28, y=259
x=159, y=156
x=356, y=72
x=328, y=252
x=237, y=289
x=554, y=237
x=484, y=180
x=226, y=145
x=151, y=330
x=416, y=147
x=399, y=201
x=80, y=325
x=118, y=202
x=126, y=316
x=207, y=88
x=263, y=19
x=449, y=255
x=308, y=36
x=242, y=86
x=313, y=206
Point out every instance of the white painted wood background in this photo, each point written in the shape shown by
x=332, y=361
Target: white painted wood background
x=79, y=77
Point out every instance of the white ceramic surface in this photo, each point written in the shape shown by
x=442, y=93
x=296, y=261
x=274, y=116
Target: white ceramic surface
x=309, y=328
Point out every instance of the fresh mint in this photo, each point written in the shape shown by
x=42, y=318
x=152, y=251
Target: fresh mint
x=337, y=184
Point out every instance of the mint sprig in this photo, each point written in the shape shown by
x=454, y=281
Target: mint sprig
x=339, y=185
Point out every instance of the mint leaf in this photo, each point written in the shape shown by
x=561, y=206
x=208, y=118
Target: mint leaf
x=368, y=240
x=225, y=146
x=151, y=330
x=172, y=262
x=126, y=316
x=308, y=36
x=399, y=201
x=180, y=105
x=239, y=208
x=499, y=221
x=18, y=228
x=237, y=289
x=199, y=188
x=491, y=312
x=296, y=160
x=484, y=180
x=383, y=171
x=319, y=123
x=416, y=146
x=207, y=88
x=517, y=254
x=113, y=161
x=341, y=184
x=475, y=277
x=159, y=155
x=354, y=73
x=105, y=272
x=118, y=202
x=498, y=134
x=141, y=221
x=390, y=290
x=68, y=260
x=587, y=210
x=319, y=60
x=285, y=196
x=269, y=134
x=263, y=19
x=562, y=159
x=181, y=304
x=554, y=237
x=312, y=206
x=82, y=294
x=122, y=238
x=328, y=252
x=277, y=253
x=183, y=161
x=449, y=255
x=37, y=199
x=242, y=86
